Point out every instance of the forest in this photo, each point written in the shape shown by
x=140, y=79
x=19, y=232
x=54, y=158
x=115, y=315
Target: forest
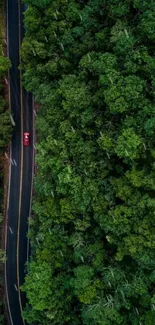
x=91, y=67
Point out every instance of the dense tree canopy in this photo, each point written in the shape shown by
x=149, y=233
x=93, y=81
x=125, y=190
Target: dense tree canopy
x=91, y=66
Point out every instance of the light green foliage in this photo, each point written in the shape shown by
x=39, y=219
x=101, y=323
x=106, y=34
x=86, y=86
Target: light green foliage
x=40, y=282
x=32, y=20
x=90, y=65
x=127, y=144
x=84, y=286
x=4, y=65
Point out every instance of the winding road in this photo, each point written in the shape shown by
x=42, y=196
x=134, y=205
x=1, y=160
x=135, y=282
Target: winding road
x=21, y=170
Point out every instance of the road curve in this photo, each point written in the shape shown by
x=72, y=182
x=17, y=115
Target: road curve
x=21, y=171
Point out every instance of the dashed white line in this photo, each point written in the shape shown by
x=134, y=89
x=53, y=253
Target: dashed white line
x=14, y=162
x=15, y=287
x=11, y=230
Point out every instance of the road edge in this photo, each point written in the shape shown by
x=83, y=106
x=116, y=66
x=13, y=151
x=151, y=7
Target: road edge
x=7, y=306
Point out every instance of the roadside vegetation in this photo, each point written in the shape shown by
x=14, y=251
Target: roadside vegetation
x=5, y=134
x=5, y=124
x=91, y=67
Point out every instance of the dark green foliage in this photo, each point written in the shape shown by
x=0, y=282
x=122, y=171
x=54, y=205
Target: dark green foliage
x=5, y=123
x=91, y=66
x=5, y=134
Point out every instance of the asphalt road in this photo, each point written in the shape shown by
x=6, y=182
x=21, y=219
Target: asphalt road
x=21, y=169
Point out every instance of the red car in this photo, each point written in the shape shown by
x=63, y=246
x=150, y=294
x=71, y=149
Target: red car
x=26, y=139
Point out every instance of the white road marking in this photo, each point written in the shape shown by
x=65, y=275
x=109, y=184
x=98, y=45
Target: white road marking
x=11, y=230
x=12, y=120
x=15, y=287
x=14, y=162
